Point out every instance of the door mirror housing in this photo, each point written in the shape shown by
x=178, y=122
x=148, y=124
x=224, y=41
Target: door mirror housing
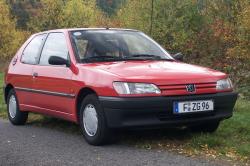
x=179, y=56
x=56, y=60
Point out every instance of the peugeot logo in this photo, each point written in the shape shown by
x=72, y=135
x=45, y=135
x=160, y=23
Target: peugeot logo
x=190, y=88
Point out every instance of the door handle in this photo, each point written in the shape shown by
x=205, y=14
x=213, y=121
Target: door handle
x=35, y=75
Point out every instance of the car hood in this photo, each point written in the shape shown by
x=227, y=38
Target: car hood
x=159, y=72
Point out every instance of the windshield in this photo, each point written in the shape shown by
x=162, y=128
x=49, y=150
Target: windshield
x=115, y=45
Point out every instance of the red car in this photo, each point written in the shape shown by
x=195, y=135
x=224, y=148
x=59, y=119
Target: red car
x=106, y=79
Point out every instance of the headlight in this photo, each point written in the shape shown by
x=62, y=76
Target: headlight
x=224, y=84
x=135, y=88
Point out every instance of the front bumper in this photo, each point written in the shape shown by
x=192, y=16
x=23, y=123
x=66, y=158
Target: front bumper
x=123, y=112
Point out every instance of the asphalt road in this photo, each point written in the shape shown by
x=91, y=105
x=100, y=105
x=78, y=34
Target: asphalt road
x=31, y=145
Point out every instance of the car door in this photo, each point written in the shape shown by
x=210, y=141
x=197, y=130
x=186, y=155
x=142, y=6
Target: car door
x=22, y=72
x=53, y=85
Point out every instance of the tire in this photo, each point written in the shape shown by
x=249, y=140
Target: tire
x=92, y=121
x=16, y=117
x=209, y=127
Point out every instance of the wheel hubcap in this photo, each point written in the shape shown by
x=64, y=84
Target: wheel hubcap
x=90, y=120
x=12, y=106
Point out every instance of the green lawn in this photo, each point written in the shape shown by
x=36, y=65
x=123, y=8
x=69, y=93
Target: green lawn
x=231, y=141
x=2, y=104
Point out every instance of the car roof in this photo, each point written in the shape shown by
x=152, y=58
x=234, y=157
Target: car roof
x=77, y=29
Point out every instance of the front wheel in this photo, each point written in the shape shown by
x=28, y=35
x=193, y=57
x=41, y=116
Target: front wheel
x=16, y=117
x=93, y=122
x=208, y=127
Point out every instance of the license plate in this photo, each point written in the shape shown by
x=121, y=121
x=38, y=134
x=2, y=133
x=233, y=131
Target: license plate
x=193, y=106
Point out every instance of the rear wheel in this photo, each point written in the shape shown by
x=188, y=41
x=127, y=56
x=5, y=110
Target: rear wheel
x=16, y=117
x=208, y=127
x=93, y=122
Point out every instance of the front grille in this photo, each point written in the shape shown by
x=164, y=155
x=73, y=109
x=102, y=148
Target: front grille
x=180, y=89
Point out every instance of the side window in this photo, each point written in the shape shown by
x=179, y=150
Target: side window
x=32, y=50
x=55, y=45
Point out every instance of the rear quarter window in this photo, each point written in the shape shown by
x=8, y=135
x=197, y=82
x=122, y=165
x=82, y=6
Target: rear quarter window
x=31, y=52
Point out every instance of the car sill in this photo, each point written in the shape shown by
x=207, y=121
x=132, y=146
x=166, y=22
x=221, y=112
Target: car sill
x=45, y=92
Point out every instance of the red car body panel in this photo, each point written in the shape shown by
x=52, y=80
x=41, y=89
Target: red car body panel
x=170, y=77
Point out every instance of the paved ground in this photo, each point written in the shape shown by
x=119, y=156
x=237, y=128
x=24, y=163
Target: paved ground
x=31, y=145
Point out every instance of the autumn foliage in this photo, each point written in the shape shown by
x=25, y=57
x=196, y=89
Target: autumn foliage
x=10, y=37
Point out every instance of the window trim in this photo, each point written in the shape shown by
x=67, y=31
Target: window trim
x=40, y=48
x=73, y=45
x=40, y=54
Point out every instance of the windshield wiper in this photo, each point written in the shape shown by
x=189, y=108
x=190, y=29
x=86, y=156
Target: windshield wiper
x=100, y=58
x=146, y=57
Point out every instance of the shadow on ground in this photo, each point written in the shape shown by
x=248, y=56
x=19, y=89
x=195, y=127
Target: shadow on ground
x=144, y=138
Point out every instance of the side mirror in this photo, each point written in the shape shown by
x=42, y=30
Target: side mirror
x=179, y=56
x=56, y=60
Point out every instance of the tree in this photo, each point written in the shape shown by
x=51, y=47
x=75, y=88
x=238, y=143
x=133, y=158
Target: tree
x=110, y=6
x=17, y=9
x=240, y=53
x=23, y=10
x=78, y=13
x=242, y=47
x=174, y=22
x=60, y=14
x=10, y=37
x=135, y=14
x=49, y=16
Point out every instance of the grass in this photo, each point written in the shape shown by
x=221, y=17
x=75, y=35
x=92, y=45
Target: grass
x=231, y=141
x=2, y=104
